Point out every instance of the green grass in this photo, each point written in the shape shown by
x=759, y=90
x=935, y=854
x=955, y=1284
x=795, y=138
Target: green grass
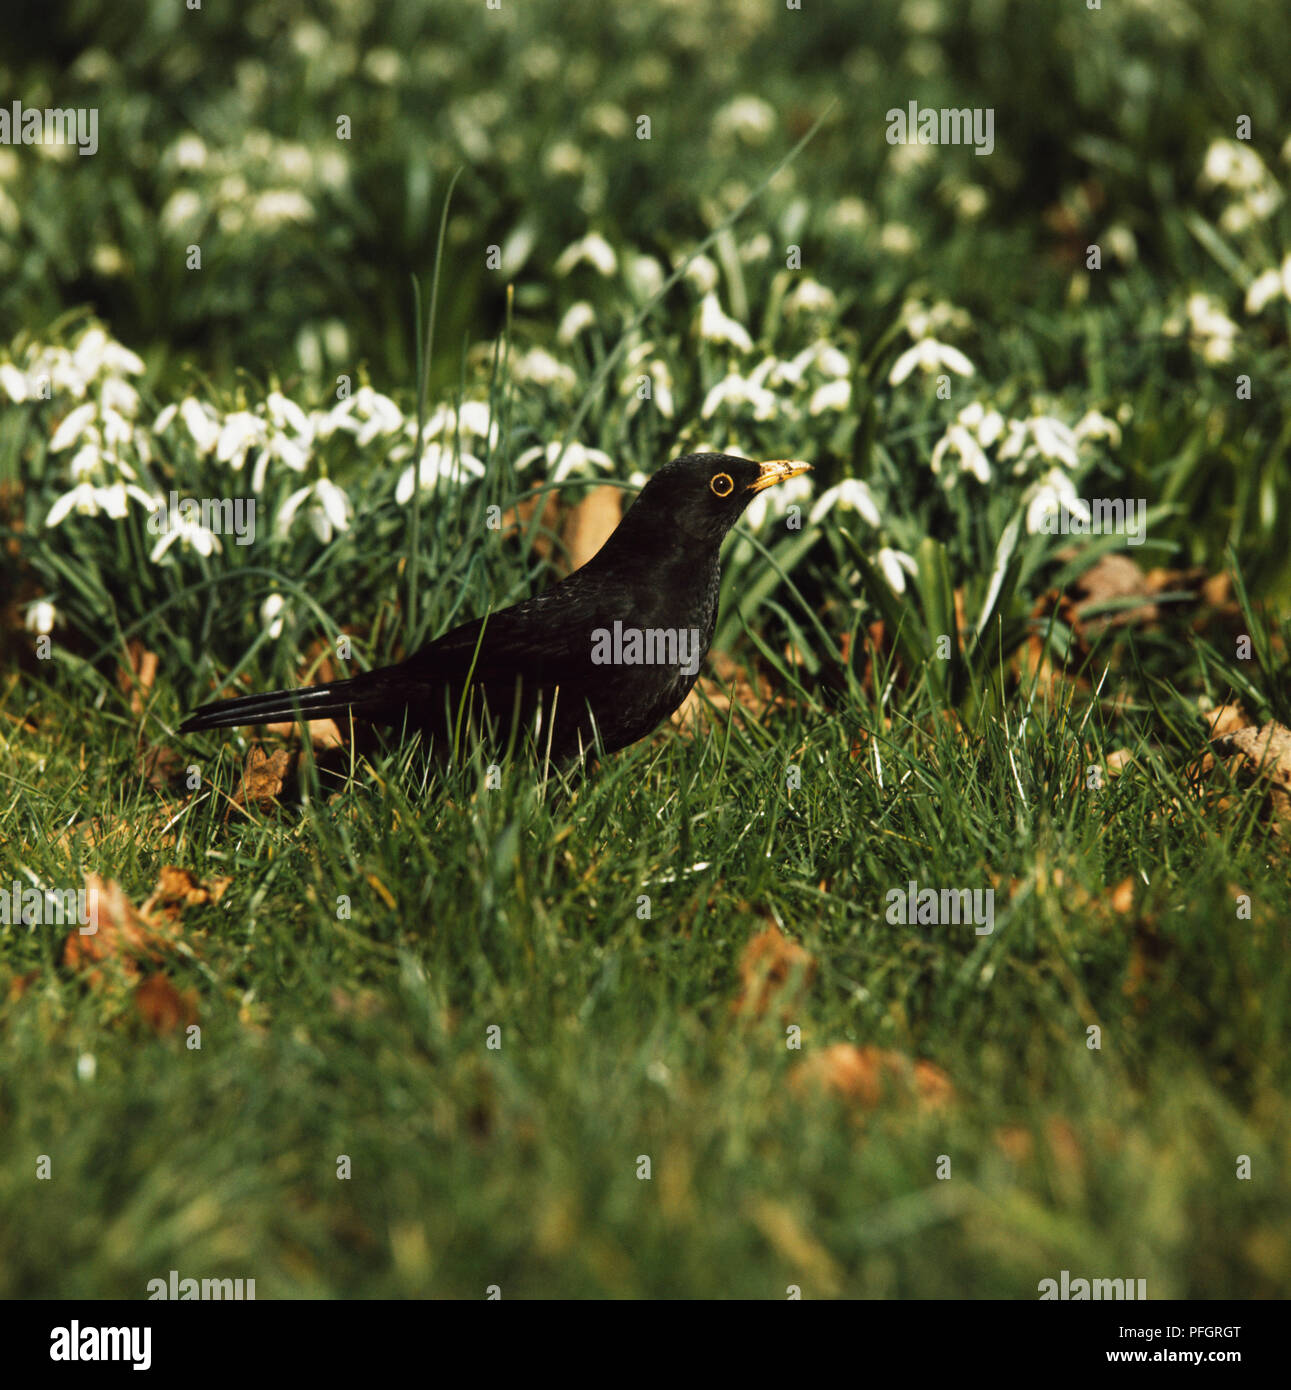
x=517, y=909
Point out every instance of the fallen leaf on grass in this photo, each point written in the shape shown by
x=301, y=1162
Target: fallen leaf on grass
x=136, y=675
x=865, y=1075
x=178, y=888
x=162, y=1006
x=123, y=936
x=262, y=777
x=129, y=941
x=1261, y=758
x=771, y=966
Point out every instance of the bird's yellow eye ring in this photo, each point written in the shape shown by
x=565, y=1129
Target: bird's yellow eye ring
x=722, y=485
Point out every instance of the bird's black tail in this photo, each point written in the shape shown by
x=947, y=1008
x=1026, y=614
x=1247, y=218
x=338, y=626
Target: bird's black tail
x=366, y=695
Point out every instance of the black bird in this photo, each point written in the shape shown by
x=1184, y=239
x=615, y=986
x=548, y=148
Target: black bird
x=609, y=651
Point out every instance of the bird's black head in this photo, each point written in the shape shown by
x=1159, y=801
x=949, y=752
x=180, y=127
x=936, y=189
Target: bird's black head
x=701, y=496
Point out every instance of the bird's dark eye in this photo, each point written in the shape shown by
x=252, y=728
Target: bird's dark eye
x=722, y=484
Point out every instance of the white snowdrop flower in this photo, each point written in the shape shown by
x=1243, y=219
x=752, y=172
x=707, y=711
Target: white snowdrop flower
x=240, y=432
x=577, y=319
x=187, y=534
x=577, y=459
x=162, y=423
x=328, y=512
x=1053, y=493
x=40, y=617
x=749, y=118
x=542, y=369
x=1214, y=331
x=929, y=356
x=117, y=430
x=661, y=378
x=831, y=361
x=849, y=214
x=380, y=416
x=834, y=395
x=270, y=614
x=63, y=373
x=894, y=566
x=473, y=418
x=971, y=201
x=716, y=327
x=118, y=358
x=701, y=273
x=1231, y=164
x=810, y=297
x=778, y=373
x=660, y=383
x=897, y=239
x=645, y=276
x=437, y=462
x=86, y=1067
x=383, y=65
x=1093, y=424
x=88, y=460
x=87, y=500
x=88, y=352
x=202, y=421
x=278, y=205
x=291, y=452
x=850, y=495
x=971, y=457
x=284, y=412
x=594, y=249
x=118, y=395
x=757, y=248
x=1054, y=439
x=1265, y=288
x=72, y=426
x=987, y=425
x=188, y=152
x=13, y=383
x=736, y=391
x=564, y=158
x=182, y=207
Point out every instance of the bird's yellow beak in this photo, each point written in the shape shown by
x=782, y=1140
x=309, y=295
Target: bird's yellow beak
x=777, y=471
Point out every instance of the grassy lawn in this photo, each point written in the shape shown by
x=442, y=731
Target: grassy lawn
x=665, y=1028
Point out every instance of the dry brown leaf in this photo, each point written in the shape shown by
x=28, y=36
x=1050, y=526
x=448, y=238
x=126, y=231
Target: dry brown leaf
x=865, y=1074
x=178, y=888
x=770, y=965
x=163, y=1007
x=515, y=521
x=262, y=777
x=588, y=524
x=1262, y=757
x=1123, y=896
x=136, y=675
x=1226, y=719
x=123, y=936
